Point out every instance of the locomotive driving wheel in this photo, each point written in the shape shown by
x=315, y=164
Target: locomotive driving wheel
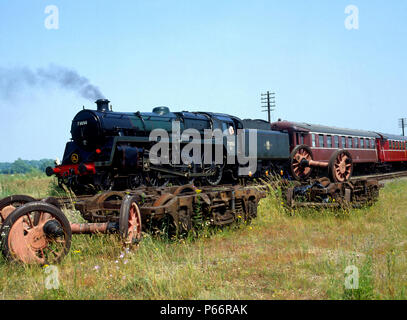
x=36, y=233
x=341, y=166
x=299, y=162
x=216, y=176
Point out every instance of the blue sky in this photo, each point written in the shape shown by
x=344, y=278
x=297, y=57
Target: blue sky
x=205, y=55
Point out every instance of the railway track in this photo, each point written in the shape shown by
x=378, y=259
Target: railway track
x=382, y=176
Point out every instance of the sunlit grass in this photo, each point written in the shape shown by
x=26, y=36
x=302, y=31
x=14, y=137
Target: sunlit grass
x=280, y=255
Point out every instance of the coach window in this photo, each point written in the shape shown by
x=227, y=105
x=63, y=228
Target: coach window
x=336, y=140
x=356, y=142
x=372, y=143
x=313, y=140
x=350, y=142
x=321, y=140
x=343, y=142
x=362, y=143
x=329, y=141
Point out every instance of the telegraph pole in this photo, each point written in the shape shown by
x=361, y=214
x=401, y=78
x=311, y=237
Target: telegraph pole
x=268, y=101
x=402, y=124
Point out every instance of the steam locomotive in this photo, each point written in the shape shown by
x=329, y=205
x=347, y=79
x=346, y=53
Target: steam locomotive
x=111, y=150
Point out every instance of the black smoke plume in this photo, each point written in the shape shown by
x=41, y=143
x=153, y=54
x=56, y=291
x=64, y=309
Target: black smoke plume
x=12, y=80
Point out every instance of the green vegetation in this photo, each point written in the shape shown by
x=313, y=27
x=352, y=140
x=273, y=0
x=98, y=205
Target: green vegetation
x=280, y=255
x=35, y=184
x=25, y=166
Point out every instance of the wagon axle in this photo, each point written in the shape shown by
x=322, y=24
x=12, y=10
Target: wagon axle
x=340, y=165
x=54, y=229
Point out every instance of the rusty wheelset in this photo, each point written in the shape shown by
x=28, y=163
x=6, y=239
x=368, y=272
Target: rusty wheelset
x=38, y=232
x=302, y=163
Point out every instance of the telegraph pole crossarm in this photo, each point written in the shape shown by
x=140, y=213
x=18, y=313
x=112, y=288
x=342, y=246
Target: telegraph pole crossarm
x=268, y=101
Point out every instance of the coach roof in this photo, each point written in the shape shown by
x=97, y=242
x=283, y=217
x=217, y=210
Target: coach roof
x=392, y=137
x=316, y=128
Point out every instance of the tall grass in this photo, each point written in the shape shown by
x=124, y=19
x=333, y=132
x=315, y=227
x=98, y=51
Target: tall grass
x=280, y=255
x=35, y=184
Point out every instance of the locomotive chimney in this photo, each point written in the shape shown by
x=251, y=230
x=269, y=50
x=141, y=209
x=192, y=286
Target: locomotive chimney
x=103, y=105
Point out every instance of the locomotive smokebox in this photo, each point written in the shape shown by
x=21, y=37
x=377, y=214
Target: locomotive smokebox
x=103, y=105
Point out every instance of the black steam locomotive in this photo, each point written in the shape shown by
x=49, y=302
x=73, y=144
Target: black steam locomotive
x=111, y=150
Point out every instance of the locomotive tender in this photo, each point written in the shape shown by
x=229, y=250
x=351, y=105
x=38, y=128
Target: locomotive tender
x=110, y=150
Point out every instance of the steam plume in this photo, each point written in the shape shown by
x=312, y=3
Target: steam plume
x=14, y=79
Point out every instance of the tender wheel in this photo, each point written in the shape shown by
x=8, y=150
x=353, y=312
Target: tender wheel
x=36, y=233
x=130, y=221
x=341, y=166
x=9, y=204
x=299, y=162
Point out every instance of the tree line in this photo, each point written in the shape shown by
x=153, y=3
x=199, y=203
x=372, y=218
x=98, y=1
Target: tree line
x=25, y=166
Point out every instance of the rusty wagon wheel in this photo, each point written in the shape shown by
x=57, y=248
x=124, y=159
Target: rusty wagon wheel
x=163, y=199
x=9, y=204
x=340, y=166
x=185, y=189
x=299, y=162
x=130, y=221
x=168, y=224
x=36, y=233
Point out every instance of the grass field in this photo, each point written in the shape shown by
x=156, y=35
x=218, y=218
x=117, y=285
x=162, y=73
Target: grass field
x=281, y=255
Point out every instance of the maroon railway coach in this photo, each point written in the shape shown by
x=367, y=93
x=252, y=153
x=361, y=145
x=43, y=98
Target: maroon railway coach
x=338, y=150
x=392, y=150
